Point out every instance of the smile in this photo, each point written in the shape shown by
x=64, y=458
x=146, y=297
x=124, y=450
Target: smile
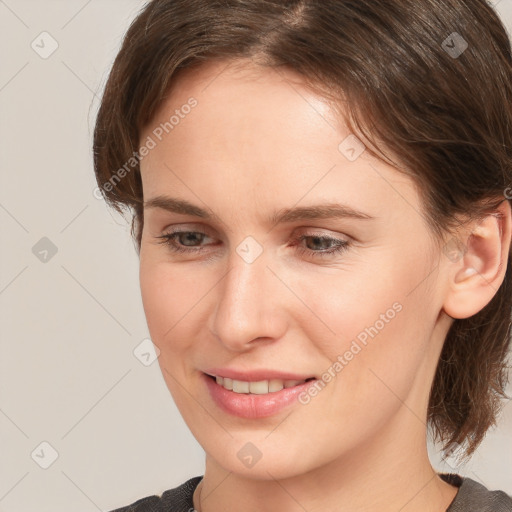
x=261, y=387
x=255, y=399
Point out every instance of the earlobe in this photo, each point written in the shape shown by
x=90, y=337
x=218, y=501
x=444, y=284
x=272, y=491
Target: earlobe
x=477, y=274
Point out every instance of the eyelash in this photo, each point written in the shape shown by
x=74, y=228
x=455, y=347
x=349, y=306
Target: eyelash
x=340, y=245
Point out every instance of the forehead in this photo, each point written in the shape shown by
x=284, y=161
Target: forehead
x=241, y=92
x=241, y=112
x=261, y=132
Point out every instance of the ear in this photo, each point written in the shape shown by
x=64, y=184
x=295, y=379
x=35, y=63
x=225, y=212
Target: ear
x=477, y=263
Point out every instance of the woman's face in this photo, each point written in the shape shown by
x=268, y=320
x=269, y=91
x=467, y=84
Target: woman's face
x=347, y=287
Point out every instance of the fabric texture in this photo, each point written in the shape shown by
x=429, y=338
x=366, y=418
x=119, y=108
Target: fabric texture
x=474, y=497
x=471, y=497
x=178, y=499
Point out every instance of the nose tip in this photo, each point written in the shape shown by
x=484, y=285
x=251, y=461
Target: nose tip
x=247, y=306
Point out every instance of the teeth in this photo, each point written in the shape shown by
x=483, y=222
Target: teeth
x=291, y=383
x=258, y=388
x=275, y=385
x=261, y=387
x=239, y=386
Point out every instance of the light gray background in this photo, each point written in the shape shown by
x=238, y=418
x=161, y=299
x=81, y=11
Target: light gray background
x=70, y=325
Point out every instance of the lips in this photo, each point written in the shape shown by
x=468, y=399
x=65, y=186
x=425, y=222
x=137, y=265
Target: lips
x=260, y=401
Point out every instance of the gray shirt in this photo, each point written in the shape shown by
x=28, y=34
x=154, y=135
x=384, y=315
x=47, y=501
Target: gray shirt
x=474, y=497
x=471, y=497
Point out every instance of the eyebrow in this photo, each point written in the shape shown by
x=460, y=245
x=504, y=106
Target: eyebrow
x=284, y=215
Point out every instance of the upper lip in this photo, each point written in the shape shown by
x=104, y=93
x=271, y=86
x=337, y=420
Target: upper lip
x=255, y=375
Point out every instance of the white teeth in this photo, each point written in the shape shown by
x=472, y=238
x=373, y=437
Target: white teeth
x=239, y=386
x=261, y=387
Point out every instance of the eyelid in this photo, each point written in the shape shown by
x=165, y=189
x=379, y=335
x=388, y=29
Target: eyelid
x=341, y=245
x=296, y=232
x=317, y=231
x=188, y=227
x=211, y=232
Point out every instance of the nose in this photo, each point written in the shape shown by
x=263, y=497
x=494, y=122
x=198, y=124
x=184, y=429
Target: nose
x=251, y=305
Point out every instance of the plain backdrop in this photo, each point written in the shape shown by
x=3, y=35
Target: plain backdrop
x=85, y=424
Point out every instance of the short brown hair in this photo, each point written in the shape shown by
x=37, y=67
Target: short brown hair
x=430, y=80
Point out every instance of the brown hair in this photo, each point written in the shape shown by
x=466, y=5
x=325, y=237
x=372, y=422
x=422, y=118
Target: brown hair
x=427, y=80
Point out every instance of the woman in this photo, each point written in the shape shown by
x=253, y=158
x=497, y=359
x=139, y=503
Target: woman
x=321, y=204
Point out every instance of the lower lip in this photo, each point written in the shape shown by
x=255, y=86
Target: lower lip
x=252, y=406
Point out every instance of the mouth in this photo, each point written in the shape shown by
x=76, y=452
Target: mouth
x=260, y=387
x=256, y=399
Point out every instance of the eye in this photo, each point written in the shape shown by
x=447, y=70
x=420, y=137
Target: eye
x=172, y=240
x=317, y=246
x=336, y=245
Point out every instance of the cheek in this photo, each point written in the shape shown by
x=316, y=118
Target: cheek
x=354, y=303
x=168, y=297
x=381, y=321
x=157, y=298
x=177, y=300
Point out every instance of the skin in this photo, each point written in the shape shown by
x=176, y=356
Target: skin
x=258, y=141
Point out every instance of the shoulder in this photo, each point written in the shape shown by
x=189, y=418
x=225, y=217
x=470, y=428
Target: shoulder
x=178, y=499
x=475, y=497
